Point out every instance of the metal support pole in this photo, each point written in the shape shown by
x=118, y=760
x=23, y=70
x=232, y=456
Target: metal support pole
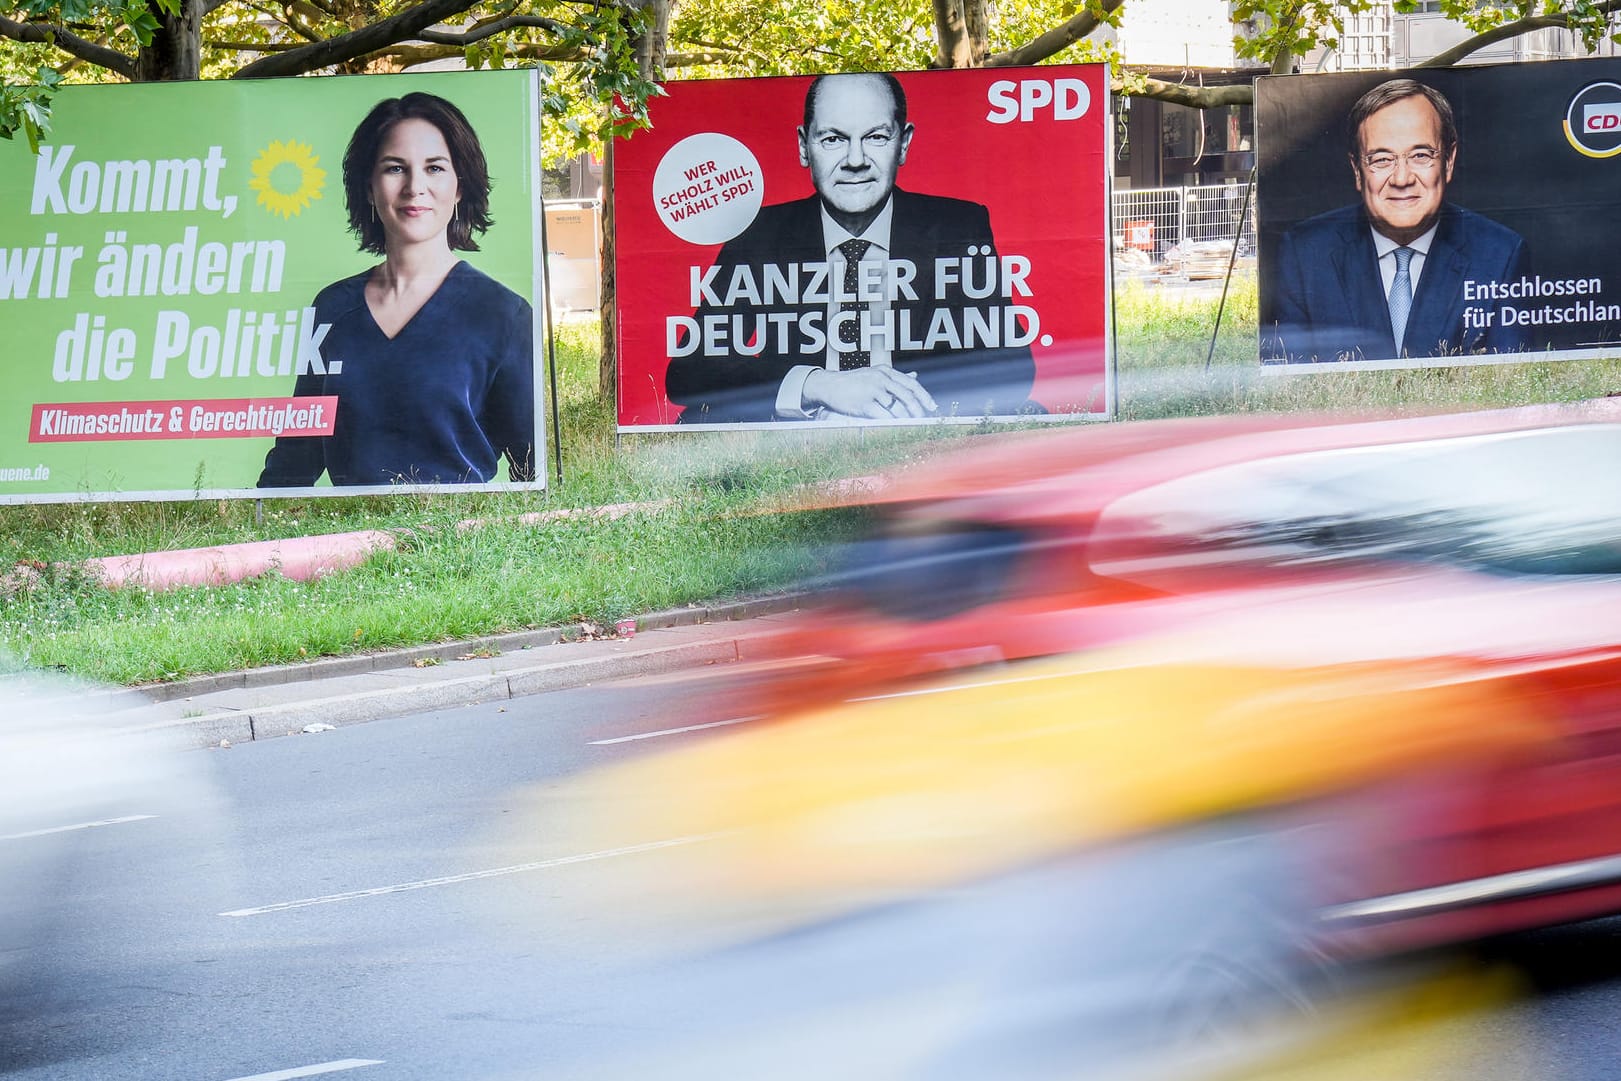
x=551, y=341
x=1243, y=216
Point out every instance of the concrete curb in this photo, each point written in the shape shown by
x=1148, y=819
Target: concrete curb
x=324, y=668
x=358, y=707
x=440, y=652
x=257, y=704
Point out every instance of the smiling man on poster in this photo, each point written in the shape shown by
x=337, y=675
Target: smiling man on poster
x=1386, y=278
x=894, y=335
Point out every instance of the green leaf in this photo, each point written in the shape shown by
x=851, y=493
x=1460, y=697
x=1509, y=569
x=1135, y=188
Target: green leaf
x=28, y=108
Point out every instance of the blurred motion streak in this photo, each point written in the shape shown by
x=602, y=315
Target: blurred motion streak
x=1115, y=750
x=67, y=769
x=868, y=802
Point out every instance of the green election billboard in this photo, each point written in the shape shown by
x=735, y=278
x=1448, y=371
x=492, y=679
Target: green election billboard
x=286, y=287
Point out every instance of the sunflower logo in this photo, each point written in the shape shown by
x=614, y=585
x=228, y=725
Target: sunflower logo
x=288, y=177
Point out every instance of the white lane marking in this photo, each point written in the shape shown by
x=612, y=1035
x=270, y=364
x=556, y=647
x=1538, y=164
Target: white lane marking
x=312, y=1071
x=76, y=826
x=735, y=669
x=947, y=688
x=471, y=876
x=868, y=698
x=672, y=731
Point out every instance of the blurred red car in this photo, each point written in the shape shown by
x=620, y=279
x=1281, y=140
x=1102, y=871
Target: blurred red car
x=1111, y=741
x=1484, y=545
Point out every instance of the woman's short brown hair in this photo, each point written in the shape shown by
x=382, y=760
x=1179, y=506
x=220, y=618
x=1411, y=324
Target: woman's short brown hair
x=466, y=158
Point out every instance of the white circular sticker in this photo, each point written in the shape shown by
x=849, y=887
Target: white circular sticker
x=708, y=188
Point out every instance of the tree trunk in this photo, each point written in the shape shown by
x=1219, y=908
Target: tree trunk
x=608, y=370
x=962, y=30
x=951, y=33
x=654, y=43
x=978, y=24
x=651, y=48
x=176, y=51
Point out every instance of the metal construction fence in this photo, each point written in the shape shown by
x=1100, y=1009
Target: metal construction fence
x=1184, y=232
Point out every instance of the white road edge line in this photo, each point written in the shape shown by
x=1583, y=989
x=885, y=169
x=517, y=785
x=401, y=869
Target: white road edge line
x=312, y=1071
x=76, y=826
x=471, y=876
x=867, y=698
x=949, y=687
x=672, y=731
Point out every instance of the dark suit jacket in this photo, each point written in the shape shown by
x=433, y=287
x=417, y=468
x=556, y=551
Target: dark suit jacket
x=974, y=382
x=1328, y=302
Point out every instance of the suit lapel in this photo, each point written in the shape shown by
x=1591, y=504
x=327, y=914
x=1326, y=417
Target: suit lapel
x=1440, y=294
x=1357, y=268
x=908, y=236
x=799, y=237
x=911, y=240
x=799, y=240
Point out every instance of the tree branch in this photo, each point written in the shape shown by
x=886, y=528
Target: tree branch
x=1053, y=41
x=409, y=55
x=496, y=14
x=714, y=46
x=70, y=43
x=252, y=46
x=688, y=60
x=1509, y=30
x=311, y=12
x=719, y=52
x=490, y=29
x=368, y=39
x=1197, y=97
x=288, y=18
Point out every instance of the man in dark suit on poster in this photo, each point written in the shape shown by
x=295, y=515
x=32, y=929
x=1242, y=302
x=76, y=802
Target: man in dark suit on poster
x=893, y=335
x=1386, y=278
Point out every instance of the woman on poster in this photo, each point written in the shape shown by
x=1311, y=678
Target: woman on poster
x=431, y=360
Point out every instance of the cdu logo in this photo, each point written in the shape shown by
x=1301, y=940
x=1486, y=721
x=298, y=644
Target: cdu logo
x=1593, y=120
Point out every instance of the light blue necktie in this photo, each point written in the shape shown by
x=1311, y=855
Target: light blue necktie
x=1401, y=296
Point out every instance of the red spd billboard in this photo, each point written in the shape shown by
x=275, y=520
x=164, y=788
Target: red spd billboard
x=866, y=249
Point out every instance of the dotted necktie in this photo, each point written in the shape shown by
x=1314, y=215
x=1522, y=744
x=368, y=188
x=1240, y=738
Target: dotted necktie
x=850, y=327
x=1401, y=296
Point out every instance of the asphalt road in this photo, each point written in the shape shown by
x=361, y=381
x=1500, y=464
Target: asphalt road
x=371, y=903
x=144, y=978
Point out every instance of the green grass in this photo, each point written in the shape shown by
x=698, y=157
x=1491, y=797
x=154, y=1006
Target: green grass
x=441, y=585
x=704, y=534
x=701, y=537
x=1163, y=342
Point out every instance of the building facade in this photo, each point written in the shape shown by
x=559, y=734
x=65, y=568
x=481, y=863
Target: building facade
x=1158, y=144
x=1386, y=38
